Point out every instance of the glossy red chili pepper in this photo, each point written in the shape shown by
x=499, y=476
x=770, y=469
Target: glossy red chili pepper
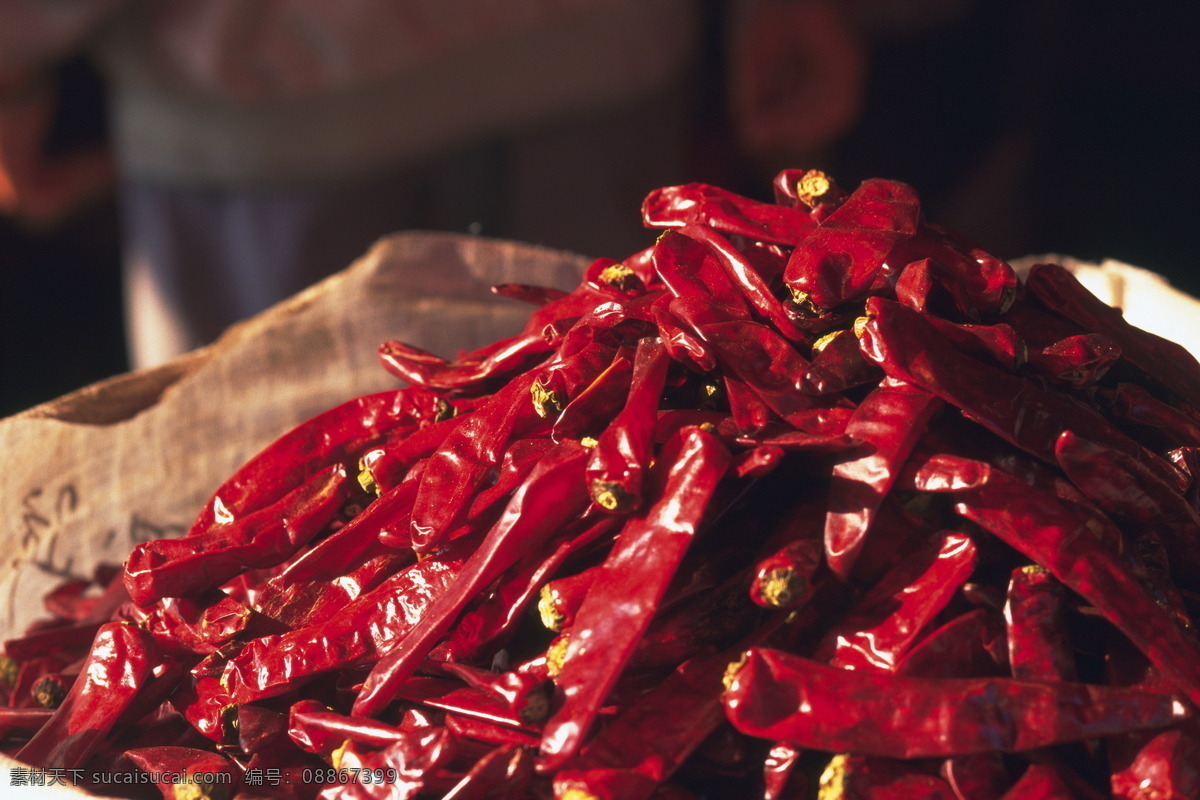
x=121, y=660
x=701, y=204
x=778, y=696
x=692, y=272
x=980, y=776
x=194, y=564
x=185, y=773
x=1162, y=361
x=1038, y=647
x=1154, y=419
x=889, y=421
x=339, y=435
x=590, y=410
x=837, y=365
x=908, y=348
x=617, y=464
x=503, y=774
x=846, y=256
x=361, y=631
x=1063, y=539
x=1167, y=766
x=879, y=629
x=1077, y=361
x=638, y=569
x=22, y=721
x=553, y=495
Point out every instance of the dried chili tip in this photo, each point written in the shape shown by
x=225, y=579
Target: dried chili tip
x=731, y=672
x=815, y=188
x=556, y=654
x=779, y=587
x=9, y=667
x=612, y=497
x=832, y=783
x=545, y=401
x=548, y=610
x=621, y=278
x=50, y=690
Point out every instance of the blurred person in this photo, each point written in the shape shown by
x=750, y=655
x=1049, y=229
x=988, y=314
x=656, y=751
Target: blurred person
x=260, y=146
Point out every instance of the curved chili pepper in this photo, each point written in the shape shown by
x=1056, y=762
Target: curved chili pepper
x=337, y=436
x=605, y=634
x=1076, y=361
x=177, y=770
x=701, y=204
x=890, y=420
x=845, y=257
x=552, y=495
x=1038, y=648
x=880, y=628
x=590, y=410
x=1155, y=419
x=1161, y=360
x=908, y=348
x=121, y=660
x=193, y=564
x=1063, y=539
x=622, y=453
x=778, y=696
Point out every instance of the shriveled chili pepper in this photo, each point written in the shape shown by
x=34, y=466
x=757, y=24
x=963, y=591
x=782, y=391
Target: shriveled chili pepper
x=121, y=659
x=622, y=453
x=605, y=634
x=701, y=204
x=858, y=777
x=890, y=421
x=333, y=437
x=503, y=774
x=184, y=773
x=879, y=629
x=192, y=564
x=1161, y=360
x=1167, y=766
x=1076, y=361
x=845, y=256
x=837, y=365
x=551, y=496
x=1062, y=539
x=592, y=408
x=779, y=696
x=907, y=347
x=1037, y=645
x=1155, y=419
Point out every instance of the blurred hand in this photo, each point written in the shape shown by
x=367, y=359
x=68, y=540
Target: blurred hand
x=797, y=73
x=39, y=190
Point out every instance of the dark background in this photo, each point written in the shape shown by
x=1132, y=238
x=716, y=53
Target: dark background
x=1032, y=127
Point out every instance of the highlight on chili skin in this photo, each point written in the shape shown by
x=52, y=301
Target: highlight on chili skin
x=811, y=497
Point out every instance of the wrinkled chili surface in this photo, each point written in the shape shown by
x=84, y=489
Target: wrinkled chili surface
x=809, y=498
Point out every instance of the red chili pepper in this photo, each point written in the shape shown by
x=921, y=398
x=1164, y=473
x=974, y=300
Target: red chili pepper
x=121, y=660
x=1076, y=361
x=701, y=204
x=1063, y=539
x=1154, y=419
x=1162, y=361
x=185, y=773
x=1167, y=766
x=638, y=569
x=837, y=366
x=196, y=563
x=778, y=696
x=858, y=777
x=622, y=453
x=1040, y=782
x=877, y=631
x=908, y=348
x=845, y=257
x=890, y=420
x=1038, y=648
x=553, y=495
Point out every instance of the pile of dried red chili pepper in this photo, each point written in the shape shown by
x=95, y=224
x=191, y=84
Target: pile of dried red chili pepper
x=809, y=497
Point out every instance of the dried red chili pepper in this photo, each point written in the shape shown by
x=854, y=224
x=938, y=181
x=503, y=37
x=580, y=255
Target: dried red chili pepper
x=553, y=495
x=121, y=659
x=701, y=204
x=1038, y=648
x=812, y=705
x=890, y=420
x=1063, y=539
x=605, y=634
x=845, y=256
x=185, y=773
x=622, y=453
